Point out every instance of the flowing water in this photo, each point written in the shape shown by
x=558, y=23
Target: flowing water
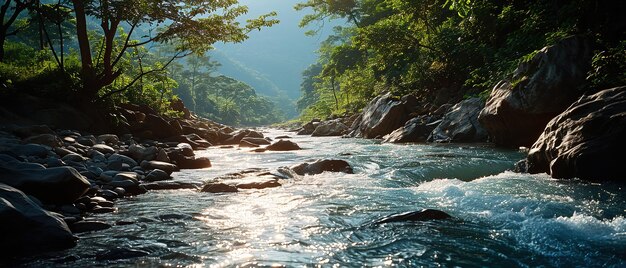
x=501, y=218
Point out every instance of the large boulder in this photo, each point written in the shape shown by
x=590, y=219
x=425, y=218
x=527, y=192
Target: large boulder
x=45, y=139
x=519, y=109
x=415, y=130
x=319, y=166
x=330, y=128
x=383, y=115
x=309, y=128
x=59, y=185
x=283, y=145
x=586, y=140
x=26, y=228
x=461, y=124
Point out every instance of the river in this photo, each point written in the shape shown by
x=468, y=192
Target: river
x=501, y=218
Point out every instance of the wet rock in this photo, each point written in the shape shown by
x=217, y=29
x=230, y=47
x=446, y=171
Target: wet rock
x=162, y=156
x=88, y=140
x=518, y=109
x=217, y=187
x=105, y=149
x=319, y=166
x=461, y=124
x=60, y=185
x=283, y=145
x=167, y=167
x=255, y=182
x=172, y=185
x=283, y=137
x=110, y=139
x=255, y=140
x=26, y=228
x=123, y=159
x=330, y=128
x=101, y=210
x=415, y=130
x=193, y=162
x=247, y=144
x=28, y=131
x=383, y=115
x=74, y=157
x=422, y=215
x=89, y=226
x=30, y=150
x=50, y=140
x=140, y=153
x=157, y=175
x=585, y=141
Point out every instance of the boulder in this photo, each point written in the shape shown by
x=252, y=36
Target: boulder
x=283, y=145
x=585, y=141
x=255, y=182
x=103, y=148
x=320, y=166
x=330, y=128
x=422, y=215
x=461, y=124
x=171, y=185
x=255, y=140
x=383, y=115
x=157, y=175
x=167, y=167
x=218, y=187
x=110, y=139
x=309, y=128
x=28, y=131
x=122, y=158
x=247, y=144
x=158, y=127
x=59, y=185
x=140, y=153
x=518, y=109
x=26, y=228
x=415, y=130
x=89, y=226
x=27, y=150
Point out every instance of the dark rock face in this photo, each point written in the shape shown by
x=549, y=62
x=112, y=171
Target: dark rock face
x=27, y=228
x=320, y=166
x=283, y=145
x=422, y=215
x=518, y=110
x=218, y=187
x=330, y=128
x=309, y=127
x=383, y=115
x=461, y=124
x=415, y=130
x=59, y=185
x=586, y=140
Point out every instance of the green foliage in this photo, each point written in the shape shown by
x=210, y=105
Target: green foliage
x=440, y=49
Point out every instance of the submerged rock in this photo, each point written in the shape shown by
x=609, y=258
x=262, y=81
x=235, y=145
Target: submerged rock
x=585, y=141
x=422, y=215
x=26, y=228
x=519, y=109
x=320, y=166
x=283, y=145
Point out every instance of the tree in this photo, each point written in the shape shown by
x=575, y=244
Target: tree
x=191, y=25
x=9, y=12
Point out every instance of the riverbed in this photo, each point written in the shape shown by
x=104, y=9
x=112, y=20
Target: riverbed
x=501, y=218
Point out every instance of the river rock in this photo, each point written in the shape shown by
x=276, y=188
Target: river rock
x=88, y=226
x=157, y=175
x=121, y=253
x=255, y=140
x=103, y=148
x=461, y=124
x=320, y=166
x=74, y=157
x=422, y=215
x=50, y=140
x=255, y=182
x=247, y=144
x=586, y=140
x=172, y=185
x=518, y=109
x=27, y=150
x=283, y=145
x=123, y=159
x=167, y=167
x=309, y=128
x=383, y=115
x=26, y=228
x=61, y=185
x=218, y=187
x=88, y=140
x=140, y=153
x=28, y=131
x=415, y=130
x=110, y=139
x=330, y=128
x=162, y=156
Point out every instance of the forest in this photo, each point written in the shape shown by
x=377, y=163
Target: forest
x=445, y=50
x=142, y=52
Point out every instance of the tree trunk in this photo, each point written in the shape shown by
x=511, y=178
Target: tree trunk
x=2, y=39
x=90, y=85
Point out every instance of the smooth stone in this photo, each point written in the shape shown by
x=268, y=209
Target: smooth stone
x=31, y=150
x=61, y=185
x=122, y=158
x=74, y=157
x=422, y=215
x=319, y=166
x=103, y=148
x=255, y=182
x=157, y=175
x=99, y=209
x=171, y=185
x=218, y=187
x=108, y=139
x=167, y=167
x=50, y=140
x=283, y=145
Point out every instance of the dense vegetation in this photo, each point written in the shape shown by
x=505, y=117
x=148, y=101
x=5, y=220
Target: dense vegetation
x=443, y=50
x=99, y=53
